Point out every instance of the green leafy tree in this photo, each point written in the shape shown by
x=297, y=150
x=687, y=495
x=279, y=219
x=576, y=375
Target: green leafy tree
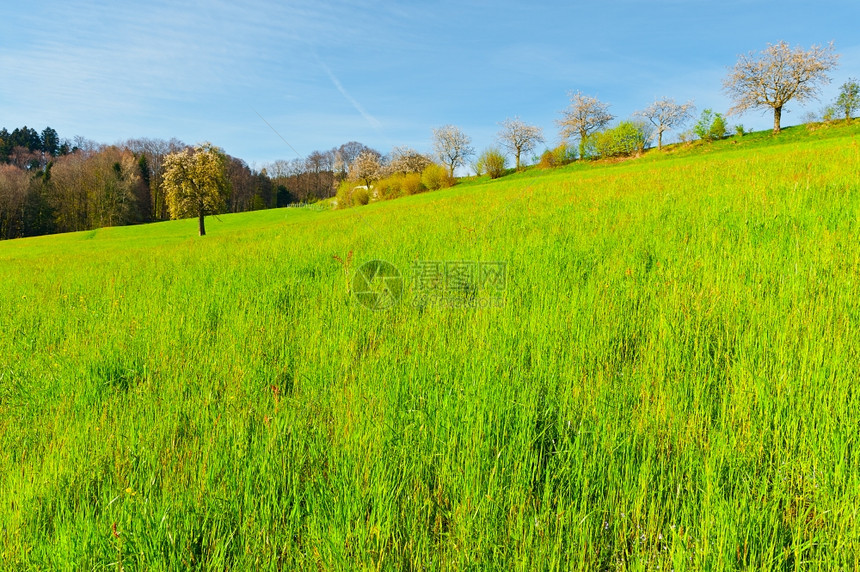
x=702, y=128
x=196, y=183
x=50, y=142
x=5, y=145
x=849, y=98
x=711, y=126
x=719, y=127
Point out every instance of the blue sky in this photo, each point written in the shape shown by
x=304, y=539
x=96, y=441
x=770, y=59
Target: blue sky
x=384, y=73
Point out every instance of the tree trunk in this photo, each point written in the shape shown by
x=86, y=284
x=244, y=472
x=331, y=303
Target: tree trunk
x=659, y=140
x=200, y=221
x=582, y=137
x=777, y=114
x=518, y=161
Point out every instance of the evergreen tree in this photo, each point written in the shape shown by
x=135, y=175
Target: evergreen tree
x=50, y=142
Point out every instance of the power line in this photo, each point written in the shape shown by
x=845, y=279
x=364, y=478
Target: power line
x=278, y=134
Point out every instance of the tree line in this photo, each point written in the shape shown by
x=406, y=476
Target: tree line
x=49, y=184
x=75, y=185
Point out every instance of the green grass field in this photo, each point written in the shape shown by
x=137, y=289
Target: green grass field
x=669, y=380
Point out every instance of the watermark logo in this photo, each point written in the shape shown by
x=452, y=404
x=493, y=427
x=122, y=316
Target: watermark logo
x=377, y=285
x=316, y=207
x=459, y=283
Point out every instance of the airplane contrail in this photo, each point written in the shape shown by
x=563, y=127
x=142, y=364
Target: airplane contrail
x=370, y=119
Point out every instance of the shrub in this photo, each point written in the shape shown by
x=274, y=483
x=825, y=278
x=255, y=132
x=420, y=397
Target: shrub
x=349, y=195
x=810, y=117
x=494, y=162
x=360, y=196
x=711, y=126
x=435, y=177
x=547, y=160
x=344, y=194
x=739, y=130
x=686, y=137
x=626, y=138
x=411, y=184
x=390, y=187
x=719, y=129
x=478, y=167
x=564, y=154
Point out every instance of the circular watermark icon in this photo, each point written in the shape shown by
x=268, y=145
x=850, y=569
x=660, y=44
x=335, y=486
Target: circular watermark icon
x=377, y=285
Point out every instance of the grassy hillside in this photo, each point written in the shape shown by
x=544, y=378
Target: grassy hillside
x=668, y=379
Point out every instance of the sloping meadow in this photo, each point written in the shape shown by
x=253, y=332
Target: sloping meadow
x=620, y=366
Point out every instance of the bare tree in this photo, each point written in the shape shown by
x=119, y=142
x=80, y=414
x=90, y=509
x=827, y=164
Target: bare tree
x=346, y=154
x=70, y=180
x=96, y=190
x=13, y=195
x=86, y=146
x=316, y=165
x=155, y=150
x=241, y=185
x=278, y=170
x=518, y=137
x=778, y=75
x=24, y=159
x=113, y=175
x=584, y=116
x=452, y=146
x=664, y=114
